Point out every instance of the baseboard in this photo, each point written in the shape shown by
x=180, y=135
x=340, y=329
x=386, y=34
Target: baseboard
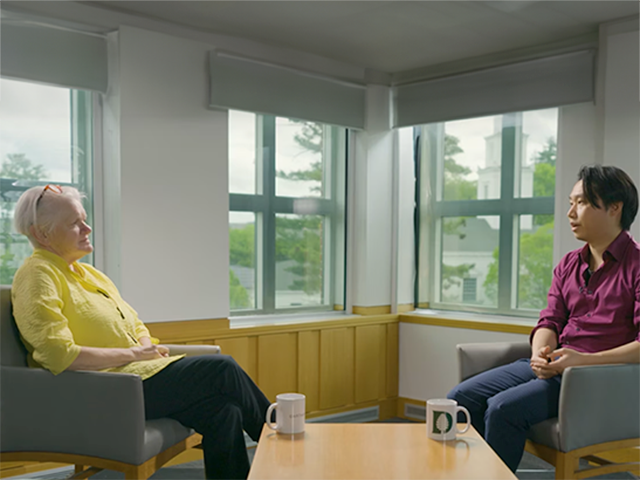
x=362, y=415
x=411, y=409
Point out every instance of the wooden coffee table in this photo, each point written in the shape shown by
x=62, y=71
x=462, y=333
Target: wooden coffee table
x=374, y=451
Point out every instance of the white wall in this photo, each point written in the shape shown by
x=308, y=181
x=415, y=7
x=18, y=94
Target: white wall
x=373, y=198
x=577, y=127
x=622, y=107
x=406, y=231
x=428, y=360
x=173, y=211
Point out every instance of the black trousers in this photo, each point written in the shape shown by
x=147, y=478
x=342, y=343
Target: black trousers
x=215, y=397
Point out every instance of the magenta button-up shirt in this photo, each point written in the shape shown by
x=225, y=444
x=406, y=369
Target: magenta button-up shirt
x=603, y=312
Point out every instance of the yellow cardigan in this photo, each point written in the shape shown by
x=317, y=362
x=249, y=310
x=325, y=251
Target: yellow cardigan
x=58, y=310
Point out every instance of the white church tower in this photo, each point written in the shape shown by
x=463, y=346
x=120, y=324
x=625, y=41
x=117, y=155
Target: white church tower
x=489, y=176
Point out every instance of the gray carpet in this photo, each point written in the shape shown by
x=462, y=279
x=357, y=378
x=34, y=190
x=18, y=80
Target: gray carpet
x=531, y=468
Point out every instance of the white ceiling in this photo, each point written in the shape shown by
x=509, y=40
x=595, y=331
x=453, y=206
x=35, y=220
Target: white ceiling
x=389, y=36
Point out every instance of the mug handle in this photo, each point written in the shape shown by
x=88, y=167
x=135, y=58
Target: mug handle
x=273, y=426
x=466, y=413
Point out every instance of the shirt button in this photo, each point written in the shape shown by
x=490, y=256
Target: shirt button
x=589, y=315
x=577, y=329
x=589, y=292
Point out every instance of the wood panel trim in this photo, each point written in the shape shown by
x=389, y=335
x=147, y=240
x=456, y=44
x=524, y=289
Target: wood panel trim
x=199, y=330
x=466, y=324
x=406, y=307
x=187, y=330
x=319, y=325
x=375, y=310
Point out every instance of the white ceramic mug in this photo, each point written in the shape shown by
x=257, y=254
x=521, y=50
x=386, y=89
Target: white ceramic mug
x=441, y=419
x=290, y=408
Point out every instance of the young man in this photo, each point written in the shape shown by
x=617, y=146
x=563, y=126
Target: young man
x=592, y=317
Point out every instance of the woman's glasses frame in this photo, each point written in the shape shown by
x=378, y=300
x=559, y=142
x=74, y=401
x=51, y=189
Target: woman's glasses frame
x=51, y=187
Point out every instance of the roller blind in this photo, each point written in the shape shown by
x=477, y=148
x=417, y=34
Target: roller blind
x=541, y=83
x=54, y=56
x=245, y=84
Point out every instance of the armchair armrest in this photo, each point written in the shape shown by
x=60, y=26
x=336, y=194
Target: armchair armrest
x=191, y=350
x=474, y=358
x=598, y=404
x=85, y=413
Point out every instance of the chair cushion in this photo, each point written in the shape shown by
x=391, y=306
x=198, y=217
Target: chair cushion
x=546, y=433
x=161, y=434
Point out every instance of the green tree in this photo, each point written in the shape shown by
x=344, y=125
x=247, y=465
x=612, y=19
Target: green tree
x=549, y=153
x=16, y=166
x=300, y=239
x=238, y=295
x=491, y=280
x=310, y=138
x=456, y=186
x=544, y=176
x=241, y=253
x=453, y=275
x=242, y=245
x=536, y=247
x=536, y=258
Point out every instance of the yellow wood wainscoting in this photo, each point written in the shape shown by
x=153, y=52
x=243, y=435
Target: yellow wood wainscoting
x=337, y=364
x=340, y=365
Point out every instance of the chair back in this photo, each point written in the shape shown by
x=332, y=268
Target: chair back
x=12, y=351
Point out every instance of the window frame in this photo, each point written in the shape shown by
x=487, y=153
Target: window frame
x=431, y=209
x=266, y=205
x=84, y=110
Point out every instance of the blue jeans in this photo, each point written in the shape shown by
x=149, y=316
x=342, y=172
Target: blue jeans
x=505, y=402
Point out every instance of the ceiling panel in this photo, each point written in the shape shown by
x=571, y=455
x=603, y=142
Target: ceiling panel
x=596, y=11
x=389, y=36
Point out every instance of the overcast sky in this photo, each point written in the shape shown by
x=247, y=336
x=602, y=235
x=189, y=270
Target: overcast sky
x=290, y=156
x=538, y=125
x=35, y=120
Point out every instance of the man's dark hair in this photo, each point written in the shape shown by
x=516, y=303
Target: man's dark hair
x=611, y=185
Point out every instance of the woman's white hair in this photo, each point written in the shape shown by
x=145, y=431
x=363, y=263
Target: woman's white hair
x=44, y=214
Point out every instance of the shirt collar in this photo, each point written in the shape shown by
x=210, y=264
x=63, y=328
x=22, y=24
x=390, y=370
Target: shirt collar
x=615, y=249
x=53, y=258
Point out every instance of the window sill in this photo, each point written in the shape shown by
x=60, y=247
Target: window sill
x=286, y=319
x=468, y=320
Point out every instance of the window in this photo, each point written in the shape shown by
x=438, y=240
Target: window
x=46, y=137
x=486, y=205
x=469, y=290
x=286, y=220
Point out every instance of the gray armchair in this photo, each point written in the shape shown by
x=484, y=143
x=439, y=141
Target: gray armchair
x=599, y=411
x=84, y=418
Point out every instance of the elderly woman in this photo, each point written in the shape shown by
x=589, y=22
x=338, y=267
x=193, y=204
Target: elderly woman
x=71, y=317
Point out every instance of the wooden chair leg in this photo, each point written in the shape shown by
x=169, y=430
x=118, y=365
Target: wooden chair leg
x=135, y=475
x=566, y=466
x=78, y=468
